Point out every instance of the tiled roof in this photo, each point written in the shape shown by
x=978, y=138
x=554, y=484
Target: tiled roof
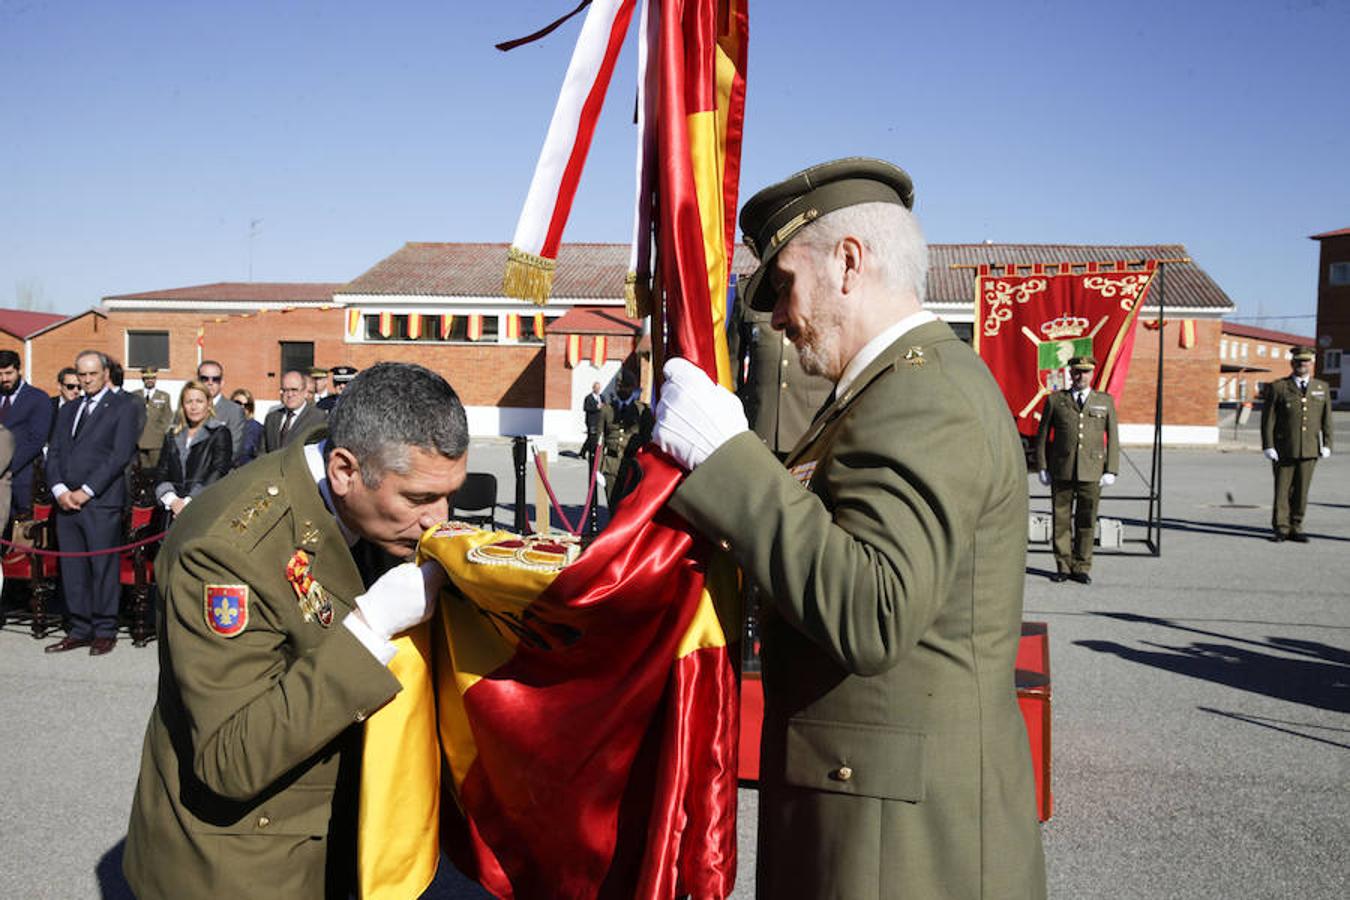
x=21, y=323
x=243, y=292
x=596, y=271
x=594, y=320
x=1185, y=285
x=1340, y=232
x=1234, y=329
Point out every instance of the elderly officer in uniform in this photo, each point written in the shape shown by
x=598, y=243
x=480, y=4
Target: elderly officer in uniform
x=1295, y=433
x=280, y=592
x=1081, y=458
x=625, y=425
x=158, y=418
x=891, y=552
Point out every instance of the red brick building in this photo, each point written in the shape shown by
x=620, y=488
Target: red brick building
x=1250, y=358
x=1333, y=311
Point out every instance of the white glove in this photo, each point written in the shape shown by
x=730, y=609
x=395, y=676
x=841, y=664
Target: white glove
x=1106, y=480
x=1272, y=454
x=1044, y=476
x=401, y=598
x=1326, y=451
x=695, y=416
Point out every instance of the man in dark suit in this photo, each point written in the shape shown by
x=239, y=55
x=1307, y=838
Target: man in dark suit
x=593, y=406
x=294, y=416
x=26, y=412
x=92, y=444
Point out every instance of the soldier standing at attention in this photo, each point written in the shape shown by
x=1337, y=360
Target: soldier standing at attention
x=891, y=552
x=626, y=424
x=1295, y=433
x=280, y=588
x=158, y=418
x=1080, y=458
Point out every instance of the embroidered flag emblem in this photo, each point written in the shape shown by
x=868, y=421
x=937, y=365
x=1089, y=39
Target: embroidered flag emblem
x=226, y=608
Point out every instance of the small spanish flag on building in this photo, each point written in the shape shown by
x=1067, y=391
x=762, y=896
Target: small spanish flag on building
x=414, y=326
x=599, y=346
x=353, y=322
x=386, y=324
x=447, y=325
x=573, y=350
x=475, y=329
x=513, y=327
x=539, y=325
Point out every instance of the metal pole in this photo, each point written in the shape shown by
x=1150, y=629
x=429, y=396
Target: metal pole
x=519, y=448
x=1155, y=479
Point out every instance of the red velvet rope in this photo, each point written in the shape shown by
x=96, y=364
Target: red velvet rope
x=80, y=554
x=557, y=507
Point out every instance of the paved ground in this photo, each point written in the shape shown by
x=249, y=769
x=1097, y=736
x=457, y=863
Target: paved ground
x=1201, y=708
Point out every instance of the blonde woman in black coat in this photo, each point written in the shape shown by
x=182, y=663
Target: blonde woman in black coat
x=196, y=450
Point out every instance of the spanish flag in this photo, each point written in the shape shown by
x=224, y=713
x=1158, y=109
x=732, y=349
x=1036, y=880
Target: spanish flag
x=568, y=721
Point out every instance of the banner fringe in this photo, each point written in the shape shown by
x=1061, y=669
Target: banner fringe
x=528, y=276
x=637, y=295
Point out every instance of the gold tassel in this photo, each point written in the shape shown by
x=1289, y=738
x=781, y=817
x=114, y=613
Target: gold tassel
x=637, y=295
x=527, y=276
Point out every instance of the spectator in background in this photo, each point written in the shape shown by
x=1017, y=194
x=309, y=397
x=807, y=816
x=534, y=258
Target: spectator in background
x=253, y=429
x=318, y=379
x=27, y=413
x=342, y=376
x=158, y=418
x=6, y=453
x=92, y=445
x=195, y=451
x=294, y=416
x=212, y=375
x=593, y=407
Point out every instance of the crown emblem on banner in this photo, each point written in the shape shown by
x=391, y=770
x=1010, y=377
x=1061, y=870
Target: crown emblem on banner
x=1064, y=327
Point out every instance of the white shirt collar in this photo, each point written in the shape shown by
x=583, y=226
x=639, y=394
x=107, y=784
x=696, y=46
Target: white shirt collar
x=873, y=348
x=319, y=472
x=97, y=398
x=295, y=412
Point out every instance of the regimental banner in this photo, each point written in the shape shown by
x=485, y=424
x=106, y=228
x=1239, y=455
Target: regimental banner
x=1028, y=327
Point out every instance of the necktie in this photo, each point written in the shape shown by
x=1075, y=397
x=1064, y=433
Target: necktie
x=83, y=416
x=285, y=426
x=1303, y=387
x=4, y=406
x=1078, y=398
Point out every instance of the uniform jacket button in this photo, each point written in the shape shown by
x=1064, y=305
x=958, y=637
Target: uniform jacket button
x=263, y=821
x=725, y=544
x=843, y=773
x=360, y=715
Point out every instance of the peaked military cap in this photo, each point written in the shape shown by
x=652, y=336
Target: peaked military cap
x=149, y=370
x=1303, y=354
x=771, y=218
x=317, y=372
x=343, y=374
x=1083, y=362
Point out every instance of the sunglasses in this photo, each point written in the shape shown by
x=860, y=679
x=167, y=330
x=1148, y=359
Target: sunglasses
x=211, y=378
x=75, y=386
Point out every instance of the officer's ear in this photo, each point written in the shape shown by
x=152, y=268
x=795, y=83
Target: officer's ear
x=344, y=472
x=851, y=256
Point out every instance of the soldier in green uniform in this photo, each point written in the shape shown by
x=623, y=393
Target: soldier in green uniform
x=158, y=418
x=625, y=425
x=1295, y=433
x=280, y=591
x=891, y=552
x=1078, y=453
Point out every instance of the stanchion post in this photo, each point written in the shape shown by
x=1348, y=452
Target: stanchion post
x=592, y=526
x=519, y=450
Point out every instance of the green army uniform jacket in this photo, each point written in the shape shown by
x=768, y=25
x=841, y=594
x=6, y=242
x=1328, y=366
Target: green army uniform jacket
x=1296, y=424
x=249, y=770
x=780, y=399
x=1075, y=444
x=623, y=429
x=158, y=419
x=894, y=760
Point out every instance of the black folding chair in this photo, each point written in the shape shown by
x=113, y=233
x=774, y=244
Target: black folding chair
x=476, y=501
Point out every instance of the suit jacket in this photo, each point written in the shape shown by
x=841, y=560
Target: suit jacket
x=232, y=414
x=6, y=454
x=1296, y=424
x=1078, y=445
x=248, y=779
x=208, y=461
x=894, y=760
x=100, y=455
x=30, y=421
x=310, y=417
x=592, y=406
x=158, y=418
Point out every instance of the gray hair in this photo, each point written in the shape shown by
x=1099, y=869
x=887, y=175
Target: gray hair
x=888, y=230
x=392, y=407
x=103, y=359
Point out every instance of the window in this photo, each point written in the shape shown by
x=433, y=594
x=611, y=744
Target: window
x=1223, y=349
x=147, y=348
x=298, y=355
x=390, y=327
x=1244, y=349
x=1339, y=273
x=1331, y=362
x=1260, y=349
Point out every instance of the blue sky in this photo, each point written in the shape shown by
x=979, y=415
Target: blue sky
x=139, y=140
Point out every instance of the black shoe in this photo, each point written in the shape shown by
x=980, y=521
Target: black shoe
x=1278, y=537
x=1298, y=537
x=1058, y=577
x=1081, y=577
